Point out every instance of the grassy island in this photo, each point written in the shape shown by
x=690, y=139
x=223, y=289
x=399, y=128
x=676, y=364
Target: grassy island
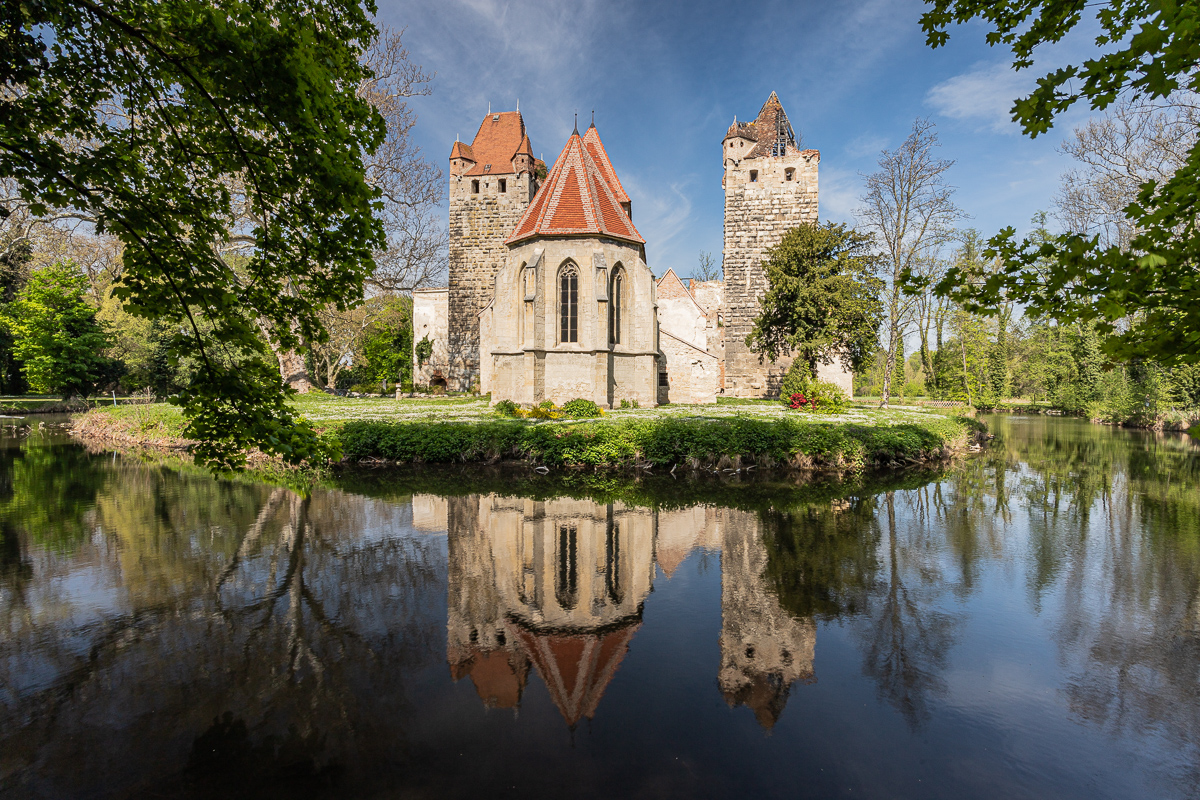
x=729, y=435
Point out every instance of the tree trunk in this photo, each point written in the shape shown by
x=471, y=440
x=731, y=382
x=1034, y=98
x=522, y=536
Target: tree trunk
x=293, y=371
x=889, y=367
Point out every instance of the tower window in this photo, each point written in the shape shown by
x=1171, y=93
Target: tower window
x=754, y=176
x=474, y=187
x=789, y=173
x=504, y=183
x=568, y=308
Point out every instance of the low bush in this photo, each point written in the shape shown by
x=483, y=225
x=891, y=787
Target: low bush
x=506, y=408
x=801, y=391
x=656, y=441
x=580, y=409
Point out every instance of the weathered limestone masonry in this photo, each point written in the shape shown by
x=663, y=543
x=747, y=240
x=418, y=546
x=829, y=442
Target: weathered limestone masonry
x=492, y=181
x=770, y=187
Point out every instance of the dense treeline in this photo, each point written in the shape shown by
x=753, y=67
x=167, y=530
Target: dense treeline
x=999, y=360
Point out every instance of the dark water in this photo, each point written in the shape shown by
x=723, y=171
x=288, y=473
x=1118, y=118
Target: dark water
x=1024, y=624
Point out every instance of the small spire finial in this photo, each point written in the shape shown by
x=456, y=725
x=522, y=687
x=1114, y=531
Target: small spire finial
x=489, y=106
x=518, y=104
x=593, y=117
x=576, y=132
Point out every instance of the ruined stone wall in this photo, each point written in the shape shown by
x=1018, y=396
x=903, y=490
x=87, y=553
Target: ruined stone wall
x=761, y=205
x=480, y=221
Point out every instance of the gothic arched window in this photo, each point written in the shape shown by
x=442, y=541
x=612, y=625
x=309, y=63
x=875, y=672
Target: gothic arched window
x=568, y=305
x=615, y=306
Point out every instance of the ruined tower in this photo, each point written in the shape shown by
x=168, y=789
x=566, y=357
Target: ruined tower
x=492, y=181
x=770, y=187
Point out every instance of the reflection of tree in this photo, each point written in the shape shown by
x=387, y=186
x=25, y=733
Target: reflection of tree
x=822, y=556
x=906, y=637
x=215, y=597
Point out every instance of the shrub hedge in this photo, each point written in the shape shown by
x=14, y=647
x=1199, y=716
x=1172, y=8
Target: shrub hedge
x=657, y=441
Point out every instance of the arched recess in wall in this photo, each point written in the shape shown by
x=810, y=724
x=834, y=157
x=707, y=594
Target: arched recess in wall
x=568, y=303
x=523, y=272
x=617, y=305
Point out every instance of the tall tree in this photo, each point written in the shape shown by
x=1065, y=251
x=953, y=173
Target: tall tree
x=823, y=301
x=910, y=206
x=55, y=334
x=144, y=114
x=1151, y=51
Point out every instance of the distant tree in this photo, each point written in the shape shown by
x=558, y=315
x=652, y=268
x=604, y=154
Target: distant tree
x=823, y=301
x=708, y=269
x=55, y=334
x=180, y=125
x=909, y=205
x=1136, y=279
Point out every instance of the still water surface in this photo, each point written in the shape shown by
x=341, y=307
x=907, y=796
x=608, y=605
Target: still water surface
x=1023, y=624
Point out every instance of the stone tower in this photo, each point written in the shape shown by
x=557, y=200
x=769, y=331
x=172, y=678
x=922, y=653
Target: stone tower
x=770, y=187
x=492, y=181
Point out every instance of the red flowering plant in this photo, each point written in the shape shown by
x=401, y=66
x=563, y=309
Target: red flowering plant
x=799, y=401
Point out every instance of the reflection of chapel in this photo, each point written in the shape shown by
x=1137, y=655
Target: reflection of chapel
x=549, y=294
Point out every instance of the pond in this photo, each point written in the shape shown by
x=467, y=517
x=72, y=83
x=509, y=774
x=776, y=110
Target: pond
x=1024, y=623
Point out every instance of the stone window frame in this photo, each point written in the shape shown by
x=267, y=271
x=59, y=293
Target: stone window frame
x=568, y=316
x=789, y=174
x=754, y=176
x=475, y=186
x=503, y=186
x=617, y=309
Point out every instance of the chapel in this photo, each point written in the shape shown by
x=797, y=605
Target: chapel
x=573, y=313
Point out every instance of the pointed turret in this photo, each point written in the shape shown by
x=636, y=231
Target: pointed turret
x=595, y=148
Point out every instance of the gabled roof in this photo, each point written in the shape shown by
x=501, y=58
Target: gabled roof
x=595, y=148
x=461, y=150
x=498, y=139
x=577, y=199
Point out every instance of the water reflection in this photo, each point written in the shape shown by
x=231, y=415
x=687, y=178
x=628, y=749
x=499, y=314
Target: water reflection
x=1027, y=622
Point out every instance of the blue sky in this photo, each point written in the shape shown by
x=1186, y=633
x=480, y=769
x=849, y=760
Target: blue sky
x=666, y=79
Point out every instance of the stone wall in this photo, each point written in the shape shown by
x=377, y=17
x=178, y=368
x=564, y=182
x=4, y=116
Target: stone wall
x=761, y=205
x=693, y=374
x=430, y=319
x=480, y=220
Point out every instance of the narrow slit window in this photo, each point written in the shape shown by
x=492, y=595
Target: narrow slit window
x=788, y=174
x=569, y=307
x=474, y=187
x=504, y=184
x=618, y=285
x=754, y=176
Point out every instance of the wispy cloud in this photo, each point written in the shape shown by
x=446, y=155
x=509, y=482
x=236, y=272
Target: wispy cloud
x=662, y=213
x=984, y=95
x=840, y=190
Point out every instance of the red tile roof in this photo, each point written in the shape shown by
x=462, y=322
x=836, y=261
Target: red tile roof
x=525, y=148
x=462, y=150
x=499, y=138
x=596, y=150
x=578, y=199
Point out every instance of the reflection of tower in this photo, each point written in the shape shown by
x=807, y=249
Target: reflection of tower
x=559, y=583
x=763, y=648
x=477, y=642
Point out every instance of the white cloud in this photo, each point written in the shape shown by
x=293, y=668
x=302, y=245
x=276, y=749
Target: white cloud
x=840, y=190
x=985, y=95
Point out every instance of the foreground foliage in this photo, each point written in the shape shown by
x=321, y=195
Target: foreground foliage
x=1153, y=279
x=181, y=126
